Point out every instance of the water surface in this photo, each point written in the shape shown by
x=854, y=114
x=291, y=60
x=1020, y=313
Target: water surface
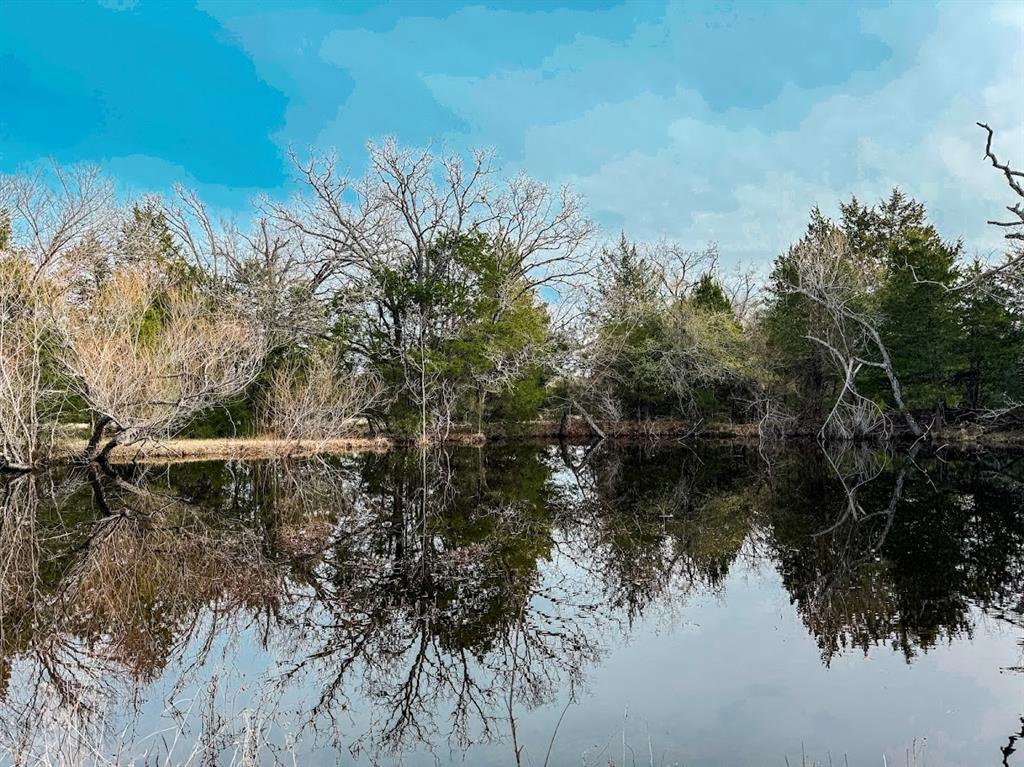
x=522, y=604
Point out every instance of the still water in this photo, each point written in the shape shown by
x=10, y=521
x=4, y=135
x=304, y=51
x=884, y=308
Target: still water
x=529, y=605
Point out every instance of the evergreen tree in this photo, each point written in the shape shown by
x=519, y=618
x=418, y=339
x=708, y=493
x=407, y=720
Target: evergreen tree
x=632, y=333
x=993, y=342
x=917, y=313
x=709, y=296
x=799, y=366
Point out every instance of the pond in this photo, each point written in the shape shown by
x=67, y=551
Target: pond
x=532, y=604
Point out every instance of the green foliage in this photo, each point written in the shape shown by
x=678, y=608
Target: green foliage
x=664, y=352
x=145, y=237
x=992, y=342
x=918, y=313
x=948, y=346
x=709, y=296
x=633, y=331
x=460, y=322
x=798, y=366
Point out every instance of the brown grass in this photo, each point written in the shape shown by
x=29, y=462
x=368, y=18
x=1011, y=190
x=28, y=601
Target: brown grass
x=226, y=448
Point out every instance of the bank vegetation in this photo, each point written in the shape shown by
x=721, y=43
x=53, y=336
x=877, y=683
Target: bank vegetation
x=435, y=299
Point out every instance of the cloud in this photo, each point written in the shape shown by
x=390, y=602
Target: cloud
x=672, y=164
x=722, y=122
x=353, y=74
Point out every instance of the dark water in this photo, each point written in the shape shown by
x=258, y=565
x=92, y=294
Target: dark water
x=526, y=604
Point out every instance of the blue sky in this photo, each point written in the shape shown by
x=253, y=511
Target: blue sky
x=696, y=121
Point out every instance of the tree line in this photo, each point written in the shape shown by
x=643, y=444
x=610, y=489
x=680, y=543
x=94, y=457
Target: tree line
x=435, y=293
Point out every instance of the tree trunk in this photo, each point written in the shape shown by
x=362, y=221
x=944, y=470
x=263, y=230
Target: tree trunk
x=103, y=459
x=563, y=424
x=97, y=434
x=592, y=424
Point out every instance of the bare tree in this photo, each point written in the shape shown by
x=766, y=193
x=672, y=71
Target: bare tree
x=319, y=401
x=396, y=224
x=23, y=340
x=828, y=275
x=1015, y=227
x=54, y=226
x=281, y=275
x=148, y=357
x=744, y=287
x=59, y=219
x=410, y=198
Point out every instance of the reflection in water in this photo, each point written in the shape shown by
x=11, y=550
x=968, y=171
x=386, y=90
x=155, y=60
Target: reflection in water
x=415, y=602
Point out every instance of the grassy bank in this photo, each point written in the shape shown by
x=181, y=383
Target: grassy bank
x=574, y=430
x=228, y=448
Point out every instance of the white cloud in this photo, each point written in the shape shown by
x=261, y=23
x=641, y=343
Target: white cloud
x=667, y=165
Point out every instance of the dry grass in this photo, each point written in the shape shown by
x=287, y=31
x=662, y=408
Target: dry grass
x=182, y=450
x=226, y=448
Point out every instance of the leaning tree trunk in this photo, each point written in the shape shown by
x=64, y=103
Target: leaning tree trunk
x=91, y=446
x=103, y=459
x=894, y=382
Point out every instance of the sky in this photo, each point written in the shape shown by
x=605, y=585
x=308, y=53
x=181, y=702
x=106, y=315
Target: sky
x=699, y=122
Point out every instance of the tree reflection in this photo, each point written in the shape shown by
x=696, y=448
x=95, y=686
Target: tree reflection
x=103, y=584
x=663, y=523
x=897, y=553
x=433, y=597
x=442, y=593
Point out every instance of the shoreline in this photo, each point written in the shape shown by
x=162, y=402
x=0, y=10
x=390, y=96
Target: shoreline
x=186, y=450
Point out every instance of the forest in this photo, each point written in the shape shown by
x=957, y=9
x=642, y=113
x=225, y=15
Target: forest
x=435, y=298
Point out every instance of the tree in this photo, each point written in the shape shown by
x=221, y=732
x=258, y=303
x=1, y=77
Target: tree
x=1014, y=227
x=802, y=370
x=24, y=341
x=861, y=313
x=992, y=332
x=318, y=400
x=58, y=219
x=497, y=354
x=392, y=244
x=823, y=270
x=661, y=343
x=148, y=356
x=53, y=222
x=629, y=337
x=917, y=317
x=709, y=296
x=281, y=276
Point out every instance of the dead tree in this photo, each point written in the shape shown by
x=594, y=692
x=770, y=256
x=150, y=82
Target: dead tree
x=60, y=219
x=1014, y=178
x=54, y=225
x=283, y=277
x=23, y=341
x=827, y=275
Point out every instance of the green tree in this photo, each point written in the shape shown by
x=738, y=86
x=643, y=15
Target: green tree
x=663, y=347
x=457, y=337
x=904, y=271
x=632, y=333
x=800, y=369
x=917, y=313
x=709, y=296
x=992, y=336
